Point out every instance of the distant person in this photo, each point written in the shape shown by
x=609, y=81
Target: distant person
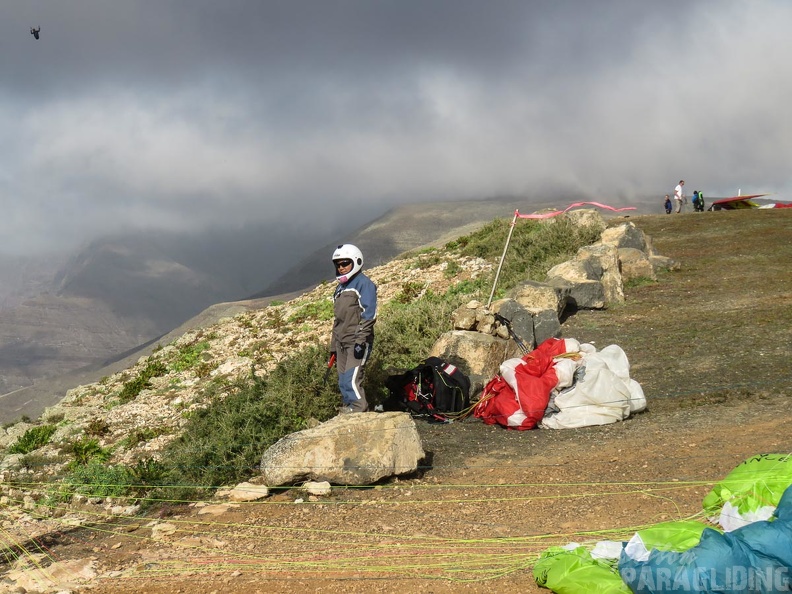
x=667, y=204
x=698, y=201
x=679, y=195
x=355, y=310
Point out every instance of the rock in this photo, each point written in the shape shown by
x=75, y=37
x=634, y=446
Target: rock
x=314, y=488
x=635, y=264
x=533, y=295
x=584, y=294
x=464, y=318
x=352, y=449
x=54, y=578
x=627, y=235
x=478, y=355
x=520, y=319
x=11, y=462
x=573, y=271
x=162, y=531
x=248, y=492
x=546, y=325
x=587, y=217
x=217, y=509
x=604, y=259
x=663, y=263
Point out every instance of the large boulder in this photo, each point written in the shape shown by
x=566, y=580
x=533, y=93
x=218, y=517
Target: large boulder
x=520, y=319
x=478, y=355
x=587, y=217
x=535, y=296
x=350, y=449
x=581, y=294
x=546, y=325
x=574, y=271
x=635, y=264
x=627, y=235
x=604, y=259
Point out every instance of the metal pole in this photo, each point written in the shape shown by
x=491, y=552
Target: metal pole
x=503, y=256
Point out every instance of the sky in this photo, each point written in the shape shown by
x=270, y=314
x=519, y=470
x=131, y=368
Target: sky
x=182, y=115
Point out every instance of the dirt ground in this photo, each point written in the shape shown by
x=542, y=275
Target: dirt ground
x=709, y=343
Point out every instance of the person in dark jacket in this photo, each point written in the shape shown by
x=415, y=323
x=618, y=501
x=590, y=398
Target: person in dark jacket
x=355, y=310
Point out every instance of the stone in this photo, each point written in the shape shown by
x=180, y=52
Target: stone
x=585, y=294
x=478, y=355
x=520, y=319
x=635, y=264
x=352, y=449
x=587, y=217
x=604, y=259
x=663, y=263
x=533, y=295
x=574, y=271
x=627, y=235
x=315, y=488
x=248, y=492
x=464, y=318
x=546, y=325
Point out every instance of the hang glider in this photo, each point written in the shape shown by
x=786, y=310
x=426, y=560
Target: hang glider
x=742, y=202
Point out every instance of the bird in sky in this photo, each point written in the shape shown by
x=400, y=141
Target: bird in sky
x=34, y=31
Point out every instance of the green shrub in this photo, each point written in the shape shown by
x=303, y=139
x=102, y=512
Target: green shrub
x=535, y=246
x=97, y=427
x=33, y=439
x=140, y=435
x=223, y=443
x=321, y=310
x=34, y=462
x=189, y=356
x=427, y=260
x=404, y=336
x=87, y=450
x=409, y=292
x=275, y=320
x=55, y=418
x=131, y=388
x=452, y=270
x=96, y=479
x=147, y=474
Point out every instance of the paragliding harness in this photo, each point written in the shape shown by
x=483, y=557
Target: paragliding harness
x=435, y=390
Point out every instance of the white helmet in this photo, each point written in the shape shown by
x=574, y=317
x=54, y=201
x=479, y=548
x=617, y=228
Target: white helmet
x=348, y=252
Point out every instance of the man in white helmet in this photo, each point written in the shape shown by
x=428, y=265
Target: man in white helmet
x=355, y=308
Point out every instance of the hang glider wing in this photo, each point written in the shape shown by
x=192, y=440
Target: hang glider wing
x=736, y=202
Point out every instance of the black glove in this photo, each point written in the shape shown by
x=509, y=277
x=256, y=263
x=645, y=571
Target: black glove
x=359, y=351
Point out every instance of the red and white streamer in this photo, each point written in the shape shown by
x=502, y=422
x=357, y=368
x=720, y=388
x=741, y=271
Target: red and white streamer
x=547, y=215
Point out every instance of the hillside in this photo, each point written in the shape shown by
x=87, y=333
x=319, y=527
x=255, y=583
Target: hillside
x=120, y=297
x=709, y=343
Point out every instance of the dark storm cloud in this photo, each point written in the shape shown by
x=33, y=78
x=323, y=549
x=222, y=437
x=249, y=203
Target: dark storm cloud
x=180, y=115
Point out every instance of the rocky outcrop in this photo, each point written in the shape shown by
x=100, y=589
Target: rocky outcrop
x=351, y=449
x=486, y=336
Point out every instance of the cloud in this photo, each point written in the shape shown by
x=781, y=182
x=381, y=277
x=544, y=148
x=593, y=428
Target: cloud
x=186, y=115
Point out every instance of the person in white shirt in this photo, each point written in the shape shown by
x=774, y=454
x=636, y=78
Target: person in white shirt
x=679, y=195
